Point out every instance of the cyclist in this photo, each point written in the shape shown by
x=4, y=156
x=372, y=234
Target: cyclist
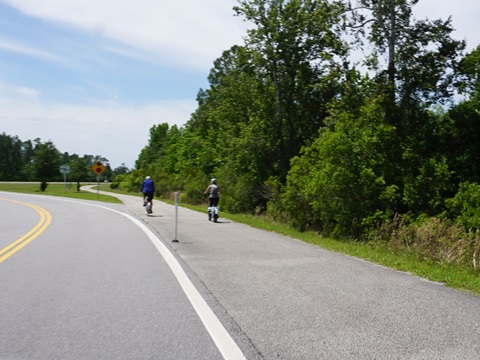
x=214, y=193
x=148, y=190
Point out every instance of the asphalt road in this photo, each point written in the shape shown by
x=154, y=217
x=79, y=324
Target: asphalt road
x=89, y=283
x=277, y=297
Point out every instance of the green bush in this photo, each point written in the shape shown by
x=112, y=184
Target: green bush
x=341, y=179
x=117, y=180
x=465, y=206
x=426, y=191
x=192, y=192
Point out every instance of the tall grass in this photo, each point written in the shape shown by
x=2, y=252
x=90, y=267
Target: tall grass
x=431, y=239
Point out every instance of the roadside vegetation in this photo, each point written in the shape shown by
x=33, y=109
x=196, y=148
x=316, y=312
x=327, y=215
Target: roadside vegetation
x=375, y=155
x=56, y=190
x=457, y=277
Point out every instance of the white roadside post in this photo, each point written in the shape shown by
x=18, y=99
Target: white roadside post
x=176, y=218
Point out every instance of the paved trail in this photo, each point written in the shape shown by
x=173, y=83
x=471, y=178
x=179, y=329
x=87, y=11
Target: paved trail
x=297, y=301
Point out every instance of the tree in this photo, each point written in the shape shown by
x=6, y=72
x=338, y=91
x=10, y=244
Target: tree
x=420, y=71
x=295, y=47
x=11, y=160
x=463, y=137
x=156, y=145
x=470, y=72
x=46, y=162
x=267, y=98
x=422, y=58
x=79, y=171
x=121, y=170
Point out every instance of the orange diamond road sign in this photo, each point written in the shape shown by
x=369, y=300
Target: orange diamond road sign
x=98, y=168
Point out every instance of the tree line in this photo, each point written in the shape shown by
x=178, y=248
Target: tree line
x=41, y=161
x=348, y=118
x=295, y=122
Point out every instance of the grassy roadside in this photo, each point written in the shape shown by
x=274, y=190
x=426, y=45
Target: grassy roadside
x=56, y=190
x=458, y=278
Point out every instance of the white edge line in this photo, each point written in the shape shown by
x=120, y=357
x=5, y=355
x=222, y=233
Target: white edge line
x=225, y=344
x=220, y=336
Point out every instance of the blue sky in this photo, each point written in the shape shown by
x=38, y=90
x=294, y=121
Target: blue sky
x=94, y=76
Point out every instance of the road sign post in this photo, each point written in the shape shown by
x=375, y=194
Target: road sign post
x=64, y=169
x=98, y=168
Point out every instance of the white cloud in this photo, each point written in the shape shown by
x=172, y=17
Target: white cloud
x=19, y=92
x=114, y=130
x=180, y=32
x=27, y=50
x=27, y=92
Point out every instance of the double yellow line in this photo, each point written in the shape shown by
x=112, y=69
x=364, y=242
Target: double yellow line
x=45, y=220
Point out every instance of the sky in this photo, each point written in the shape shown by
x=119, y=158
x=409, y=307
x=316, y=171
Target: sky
x=94, y=76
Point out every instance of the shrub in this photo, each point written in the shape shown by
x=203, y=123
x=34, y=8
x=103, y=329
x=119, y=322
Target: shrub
x=342, y=178
x=465, y=206
x=430, y=239
x=117, y=180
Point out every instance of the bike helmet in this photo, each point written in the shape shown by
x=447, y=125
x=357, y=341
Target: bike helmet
x=214, y=181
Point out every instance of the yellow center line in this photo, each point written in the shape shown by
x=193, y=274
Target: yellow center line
x=45, y=220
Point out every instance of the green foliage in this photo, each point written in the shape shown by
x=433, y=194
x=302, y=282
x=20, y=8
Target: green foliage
x=11, y=161
x=129, y=182
x=470, y=71
x=79, y=171
x=120, y=170
x=115, y=184
x=340, y=180
x=45, y=163
x=465, y=206
x=292, y=47
x=274, y=190
x=38, y=161
x=463, y=140
x=240, y=192
x=427, y=189
x=194, y=185
x=415, y=61
x=156, y=147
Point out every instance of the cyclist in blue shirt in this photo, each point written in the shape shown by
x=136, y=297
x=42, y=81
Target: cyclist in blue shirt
x=148, y=190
